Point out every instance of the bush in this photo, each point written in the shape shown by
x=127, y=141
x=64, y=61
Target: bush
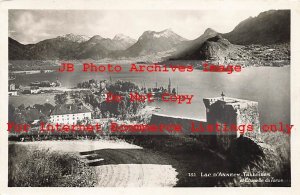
x=250, y=156
x=41, y=168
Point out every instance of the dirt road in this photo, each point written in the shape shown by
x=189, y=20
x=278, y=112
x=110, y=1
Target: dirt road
x=119, y=164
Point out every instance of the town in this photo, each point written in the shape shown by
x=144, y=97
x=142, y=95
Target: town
x=89, y=103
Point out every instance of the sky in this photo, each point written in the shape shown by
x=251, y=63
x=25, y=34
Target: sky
x=32, y=26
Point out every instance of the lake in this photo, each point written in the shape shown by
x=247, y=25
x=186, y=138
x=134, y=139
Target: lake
x=270, y=86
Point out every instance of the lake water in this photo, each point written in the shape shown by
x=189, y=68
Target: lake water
x=270, y=86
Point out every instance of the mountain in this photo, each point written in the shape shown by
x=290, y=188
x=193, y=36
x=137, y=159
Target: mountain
x=119, y=42
x=98, y=47
x=93, y=48
x=69, y=46
x=151, y=42
x=61, y=47
x=16, y=50
x=214, y=48
x=219, y=49
x=56, y=48
x=267, y=28
x=123, y=41
x=191, y=48
x=74, y=38
x=95, y=39
x=270, y=27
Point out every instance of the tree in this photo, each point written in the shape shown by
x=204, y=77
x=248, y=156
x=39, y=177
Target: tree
x=61, y=98
x=45, y=108
x=19, y=118
x=11, y=112
x=21, y=107
x=77, y=100
x=122, y=110
x=174, y=91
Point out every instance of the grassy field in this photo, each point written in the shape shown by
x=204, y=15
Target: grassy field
x=30, y=100
x=35, y=167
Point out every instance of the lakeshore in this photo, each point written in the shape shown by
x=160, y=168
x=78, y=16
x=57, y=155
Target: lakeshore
x=197, y=83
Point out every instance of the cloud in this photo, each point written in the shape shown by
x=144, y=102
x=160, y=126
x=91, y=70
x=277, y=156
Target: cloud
x=28, y=28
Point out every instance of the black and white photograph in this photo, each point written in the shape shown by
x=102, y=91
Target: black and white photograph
x=149, y=98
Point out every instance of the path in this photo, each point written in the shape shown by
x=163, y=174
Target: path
x=119, y=164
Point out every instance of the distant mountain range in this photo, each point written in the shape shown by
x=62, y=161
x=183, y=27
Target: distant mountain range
x=69, y=46
x=270, y=27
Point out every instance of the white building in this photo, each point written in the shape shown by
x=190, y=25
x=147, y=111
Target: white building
x=13, y=93
x=69, y=114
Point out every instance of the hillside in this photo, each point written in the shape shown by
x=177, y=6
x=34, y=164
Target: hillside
x=268, y=27
x=190, y=49
x=217, y=48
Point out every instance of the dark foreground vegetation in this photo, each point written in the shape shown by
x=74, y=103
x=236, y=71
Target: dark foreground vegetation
x=35, y=167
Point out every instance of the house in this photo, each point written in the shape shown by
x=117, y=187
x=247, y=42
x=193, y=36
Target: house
x=12, y=91
x=34, y=90
x=70, y=113
x=36, y=83
x=30, y=90
x=12, y=87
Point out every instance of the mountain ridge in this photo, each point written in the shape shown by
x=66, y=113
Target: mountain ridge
x=270, y=27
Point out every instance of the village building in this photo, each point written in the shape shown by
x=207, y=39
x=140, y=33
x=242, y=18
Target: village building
x=30, y=89
x=12, y=91
x=70, y=113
